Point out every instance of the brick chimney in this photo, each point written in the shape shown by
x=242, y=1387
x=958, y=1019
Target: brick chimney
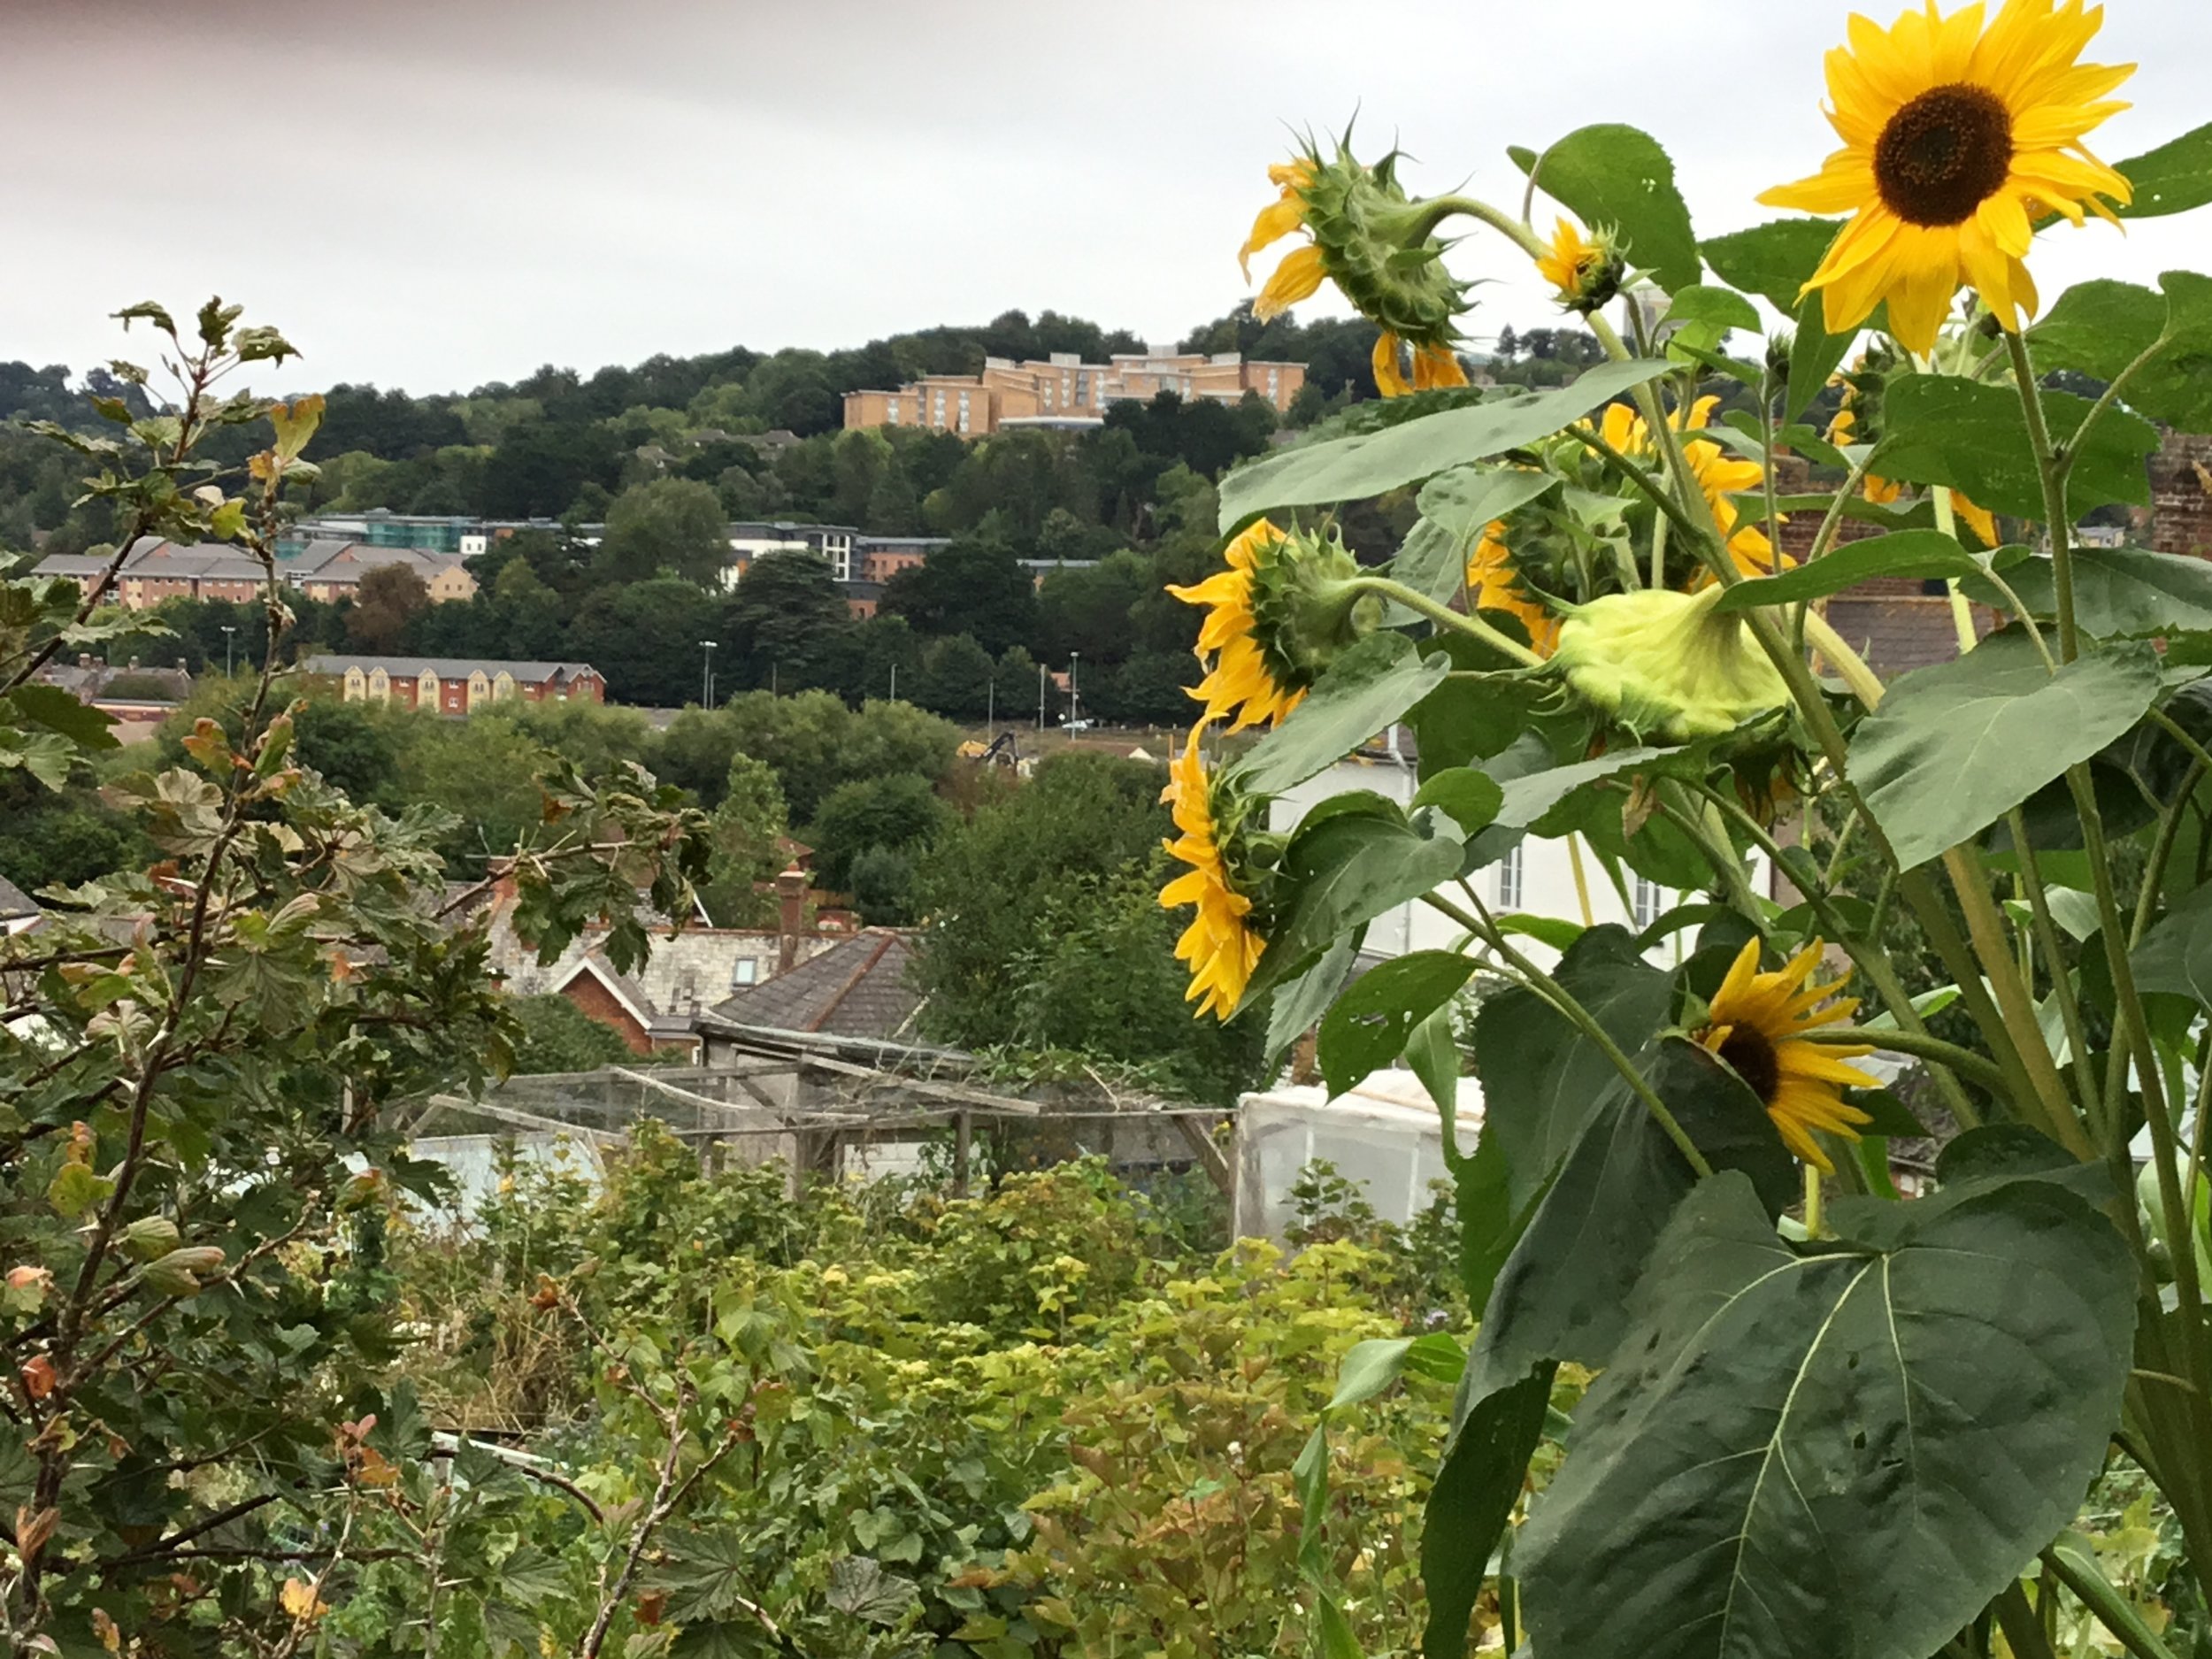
x=791, y=916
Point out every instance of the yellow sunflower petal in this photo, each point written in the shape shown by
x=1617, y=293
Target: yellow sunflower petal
x=1298, y=278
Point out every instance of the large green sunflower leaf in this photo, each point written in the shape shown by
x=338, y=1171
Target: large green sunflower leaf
x=1542, y=1079
x=1773, y=260
x=1369, y=1025
x=1370, y=687
x=1956, y=746
x=1344, y=867
x=1370, y=464
x=1618, y=178
x=2171, y=178
x=2119, y=592
x=2099, y=328
x=1943, y=430
x=1906, y=553
x=1840, y=1452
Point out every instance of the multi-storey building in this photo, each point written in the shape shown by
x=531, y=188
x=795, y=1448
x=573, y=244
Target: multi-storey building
x=331, y=570
x=154, y=570
x=1064, y=391
x=455, y=685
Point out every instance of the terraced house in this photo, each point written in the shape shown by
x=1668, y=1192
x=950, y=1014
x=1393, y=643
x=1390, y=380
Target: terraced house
x=455, y=685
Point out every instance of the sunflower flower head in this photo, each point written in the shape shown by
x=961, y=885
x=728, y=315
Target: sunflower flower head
x=1587, y=271
x=1955, y=139
x=1494, y=583
x=1223, y=944
x=1377, y=245
x=1667, y=665
x=1280, y=612
x=1757, y=1022
x=1721, y=474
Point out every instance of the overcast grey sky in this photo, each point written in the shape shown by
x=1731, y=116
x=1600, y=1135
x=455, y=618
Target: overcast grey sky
x=440, y=193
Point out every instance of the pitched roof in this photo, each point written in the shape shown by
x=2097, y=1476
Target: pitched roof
x=857, y=988
x=336, y=560
x=151, y=556
x=14, y=902
x=444, y=667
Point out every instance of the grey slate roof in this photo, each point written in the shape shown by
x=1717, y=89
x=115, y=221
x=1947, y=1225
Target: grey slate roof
x=153, y=557
x=444, y=667
x=14, y=902
x=857, y=988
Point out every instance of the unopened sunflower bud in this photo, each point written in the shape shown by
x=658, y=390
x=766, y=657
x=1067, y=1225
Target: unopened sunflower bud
x=178, y=1273
x=1668, y=665
x=151, y=1237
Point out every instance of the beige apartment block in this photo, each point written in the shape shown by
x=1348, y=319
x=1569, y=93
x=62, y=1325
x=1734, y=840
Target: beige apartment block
x=1064, y=391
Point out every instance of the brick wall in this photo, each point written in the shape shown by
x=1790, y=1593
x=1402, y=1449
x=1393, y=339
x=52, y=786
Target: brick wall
x=2181, y=495
x=603, y=1006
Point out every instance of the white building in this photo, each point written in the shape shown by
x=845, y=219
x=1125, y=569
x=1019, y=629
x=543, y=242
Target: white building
x=1538, y=878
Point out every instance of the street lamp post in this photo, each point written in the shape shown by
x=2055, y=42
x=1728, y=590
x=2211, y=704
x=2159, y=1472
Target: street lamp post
x=228, y=630
x=706, y=673
x=1075, y=695
x=990, y=704
x=894, y=682
x=1040, y=697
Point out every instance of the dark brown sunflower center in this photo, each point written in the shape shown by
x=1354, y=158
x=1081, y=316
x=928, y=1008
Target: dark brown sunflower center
x=1944, y=154
x=1751, y=1056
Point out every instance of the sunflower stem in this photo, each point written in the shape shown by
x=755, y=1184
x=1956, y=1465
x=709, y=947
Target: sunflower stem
x=1479, y=923
x=2061, y=983
x=1442, y=207
x=1812, y=1202
x=1636, y=478
x=1444, y=616
x=2052, y=471
x=1870, y=960
x=1962, y=612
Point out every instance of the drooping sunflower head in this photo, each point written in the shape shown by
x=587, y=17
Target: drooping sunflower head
x=1668, y=666
x=1757, y=1022
x=1955, y=142
x=1223, y=943
x=1494, y=583
x=1280, y=613
x=1375, y=242
x=1587, y=271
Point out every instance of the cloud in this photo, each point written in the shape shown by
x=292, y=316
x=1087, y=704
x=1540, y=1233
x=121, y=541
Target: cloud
x=440, y=192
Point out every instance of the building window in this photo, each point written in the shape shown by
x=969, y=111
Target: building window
x=891, y=411
x=744, y=972
x=1645, y=896
x=1509, y=880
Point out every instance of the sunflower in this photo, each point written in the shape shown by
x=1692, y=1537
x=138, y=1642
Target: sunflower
x=1220, y=945
x=1433, y=367
x=1756, y=1023
x=1720, y=475
x=1239, y=681
x=1493, y=583
x=1377, y=245
x=1586, y=270
x=1281, y=612
x=1954, y=143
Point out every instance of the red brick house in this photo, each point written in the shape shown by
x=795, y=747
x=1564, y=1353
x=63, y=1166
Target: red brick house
x=455, y=685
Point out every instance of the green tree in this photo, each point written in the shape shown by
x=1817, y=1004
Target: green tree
x=900, y=811
x=957, y=678
x=674, y=525
x=644, y=637
x=971, y=587
x=558, y=1036
x=386, y=600
x=1038, y=901
x=745, y=831
x=785, y=625
x=1089, y=610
